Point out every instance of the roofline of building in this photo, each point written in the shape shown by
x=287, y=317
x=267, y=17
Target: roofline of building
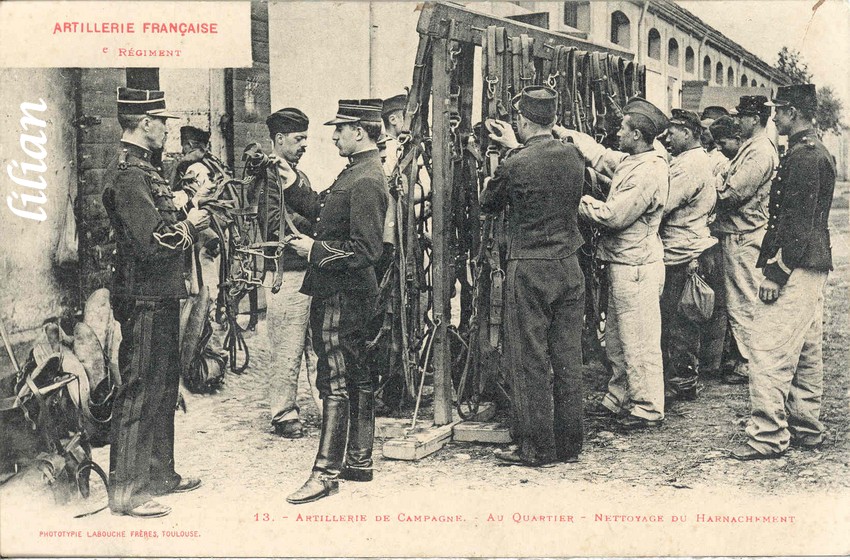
x=685, y=19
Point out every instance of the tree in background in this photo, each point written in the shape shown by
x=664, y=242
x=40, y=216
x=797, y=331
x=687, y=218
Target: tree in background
x=829, y=118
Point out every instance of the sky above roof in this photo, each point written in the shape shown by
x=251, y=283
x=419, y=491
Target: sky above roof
x=764, y=26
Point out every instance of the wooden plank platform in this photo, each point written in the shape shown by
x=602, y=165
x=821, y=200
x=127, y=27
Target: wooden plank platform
x=482, y=432
x=395, y=427
x=419, y=444
x=426, y=439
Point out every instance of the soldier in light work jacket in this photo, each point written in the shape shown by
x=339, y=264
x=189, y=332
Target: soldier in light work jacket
x=630, y=217
x=688, y=247
x=742, y=192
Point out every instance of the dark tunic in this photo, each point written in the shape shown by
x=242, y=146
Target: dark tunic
x=303, y=195
x=542, y=184
x=152, y=237
x=800, y=199
x=544, y=304
x=349, y=228
x=150, y=232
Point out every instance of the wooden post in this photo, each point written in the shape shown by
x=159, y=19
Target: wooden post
x=441, y=197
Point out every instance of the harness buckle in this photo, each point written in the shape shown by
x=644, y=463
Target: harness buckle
x=491, y=86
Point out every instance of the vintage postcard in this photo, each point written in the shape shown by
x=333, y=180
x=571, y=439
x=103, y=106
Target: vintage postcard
x=295, y=208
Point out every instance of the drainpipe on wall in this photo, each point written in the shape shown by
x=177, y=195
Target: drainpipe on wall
x=699, y=60
x=640, y=32
x=372, y=28
x=740, y=71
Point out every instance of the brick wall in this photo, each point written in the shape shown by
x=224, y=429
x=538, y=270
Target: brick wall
x=96, y=144
x=249, y=104
x=250, y=93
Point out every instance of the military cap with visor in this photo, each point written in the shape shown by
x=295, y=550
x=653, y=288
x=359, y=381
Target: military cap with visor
x=286, y=120
x=643, y=108
x=142, y=102
x=712, y=113
x=352, y=111
x=539, y=104
x=752, y=105
x=687, y=119
x=394, y=103
x=800, y=96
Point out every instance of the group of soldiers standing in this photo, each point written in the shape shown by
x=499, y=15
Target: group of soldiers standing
x=759, y=236
x=755, y=227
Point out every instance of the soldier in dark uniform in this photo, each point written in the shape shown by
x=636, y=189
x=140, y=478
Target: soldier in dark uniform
x=786, y=375
x=151, y=236
x=341, y=279
x=542, y=182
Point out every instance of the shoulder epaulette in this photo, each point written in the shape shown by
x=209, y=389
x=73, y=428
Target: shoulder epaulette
x=122, y=159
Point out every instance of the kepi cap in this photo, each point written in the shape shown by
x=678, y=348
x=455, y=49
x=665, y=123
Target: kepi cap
x=357, y=110
x=286, y=120
x=688, y=119
x=752, y=105
x=642, y=107
x=394, y=103
x=538, y=104
x=142, y=102
x=801, y=96
x=712, y=113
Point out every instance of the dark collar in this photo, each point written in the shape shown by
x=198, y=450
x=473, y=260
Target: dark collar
x=800, y=136
x=136, y=150
x=537, y=139
x=365, y=155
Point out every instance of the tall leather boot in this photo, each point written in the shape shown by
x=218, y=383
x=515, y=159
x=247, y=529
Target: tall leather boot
x=361, y=436
x=323, y=480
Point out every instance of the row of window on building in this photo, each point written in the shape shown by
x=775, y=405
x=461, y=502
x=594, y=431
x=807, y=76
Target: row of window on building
x=621, y=35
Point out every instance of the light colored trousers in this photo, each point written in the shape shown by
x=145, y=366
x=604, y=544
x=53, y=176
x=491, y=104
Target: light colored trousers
x=287, y=319
x=786, y=365
x=741, y=280
x=633, y=340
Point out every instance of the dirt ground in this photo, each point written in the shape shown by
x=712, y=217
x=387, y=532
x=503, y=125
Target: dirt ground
x=225, y=439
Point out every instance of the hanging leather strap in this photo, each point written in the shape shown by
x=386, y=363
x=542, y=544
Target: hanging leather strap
x=528, y=75
x=516, y=66
x=584, y=88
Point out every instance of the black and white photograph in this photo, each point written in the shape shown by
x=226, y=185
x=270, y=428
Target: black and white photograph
x=462, y=279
